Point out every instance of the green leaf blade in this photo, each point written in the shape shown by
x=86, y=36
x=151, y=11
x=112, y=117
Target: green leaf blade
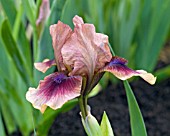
x=9, y=9
x=29, y=8
x=2, y=130
x=7, y=115
x=136, y=119
x=106, y=126
x=13, y=51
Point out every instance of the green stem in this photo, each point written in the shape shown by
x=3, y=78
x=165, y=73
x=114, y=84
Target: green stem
x=111, y=49
x=83, y=105
x=35, y=42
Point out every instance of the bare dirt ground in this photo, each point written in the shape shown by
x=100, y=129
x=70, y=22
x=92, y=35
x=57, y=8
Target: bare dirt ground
x=154, y=102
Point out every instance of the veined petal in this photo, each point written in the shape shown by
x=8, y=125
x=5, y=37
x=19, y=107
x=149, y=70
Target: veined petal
x=45, y=65
x=120, y=70
x=60, y=32
x=103, y=50
x=54, y=91
x=86, y=51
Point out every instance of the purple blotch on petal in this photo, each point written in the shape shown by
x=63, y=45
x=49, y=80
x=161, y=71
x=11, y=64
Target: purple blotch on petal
x=54, y=91
x=118, y=60
x=59, y=78
x=118, y=68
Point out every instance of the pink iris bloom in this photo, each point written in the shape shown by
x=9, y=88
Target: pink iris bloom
x=81, y=56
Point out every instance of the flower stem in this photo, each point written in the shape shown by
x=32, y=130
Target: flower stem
x=83, y=105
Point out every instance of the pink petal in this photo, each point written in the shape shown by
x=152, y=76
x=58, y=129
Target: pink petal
x=77, y=20
x=54, y=91
x=86, y=51
x=44, y=11
x=104, y=55
x=45, y=65
x=120, y=70
x=60, y=33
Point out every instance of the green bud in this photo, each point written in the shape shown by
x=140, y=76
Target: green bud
x=91, y=125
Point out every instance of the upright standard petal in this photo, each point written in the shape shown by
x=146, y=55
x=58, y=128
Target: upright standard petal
x=86, y=51
x=54, y=91
x=44, y=11
x=45, y=65
x=60, y=33
x=117, y=66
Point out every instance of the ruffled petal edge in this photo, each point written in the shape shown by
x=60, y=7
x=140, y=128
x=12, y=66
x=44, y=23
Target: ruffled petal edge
x=55, y=90
x=45, y=65
x=117, y=66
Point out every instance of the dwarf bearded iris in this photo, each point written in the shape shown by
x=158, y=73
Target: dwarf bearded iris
x=81, y=56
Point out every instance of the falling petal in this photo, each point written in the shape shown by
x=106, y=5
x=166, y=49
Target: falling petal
x=120, y=70
x=54, y=91
x=86, y=51
x=45, y=65
x=60, y=32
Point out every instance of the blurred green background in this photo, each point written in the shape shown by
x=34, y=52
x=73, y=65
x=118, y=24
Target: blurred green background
x=138, y=31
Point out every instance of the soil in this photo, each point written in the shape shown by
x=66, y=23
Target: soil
x=154, y=102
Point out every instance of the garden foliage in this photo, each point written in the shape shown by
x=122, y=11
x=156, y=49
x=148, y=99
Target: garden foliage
x=137, y=31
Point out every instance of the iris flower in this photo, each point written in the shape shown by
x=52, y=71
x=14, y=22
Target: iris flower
x=82, y=56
